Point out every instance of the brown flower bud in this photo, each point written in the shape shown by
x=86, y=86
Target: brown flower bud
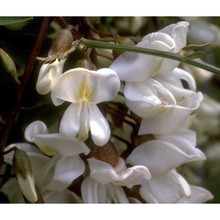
x=122, y=40
x=106, y=153
x=23, y=172
x=62, y=42
x=86, y=63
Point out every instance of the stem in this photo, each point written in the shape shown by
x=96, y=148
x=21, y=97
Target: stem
x=172, y=56
x=25, y=80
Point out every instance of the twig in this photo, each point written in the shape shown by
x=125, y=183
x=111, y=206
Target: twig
x=25, y=80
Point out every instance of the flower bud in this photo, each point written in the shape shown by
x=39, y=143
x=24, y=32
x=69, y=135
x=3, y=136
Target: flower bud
x=106, y=153
x=122, y=40
x=23, y=172
x=8, y=65
x=62, y=42
x=86, y=63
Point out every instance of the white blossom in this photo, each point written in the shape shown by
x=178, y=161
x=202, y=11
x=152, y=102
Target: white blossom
x=84, y=89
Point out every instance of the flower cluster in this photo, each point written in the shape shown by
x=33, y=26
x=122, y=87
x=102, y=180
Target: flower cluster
x=125, y=131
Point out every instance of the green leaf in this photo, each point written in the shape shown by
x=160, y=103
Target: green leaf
x=13, y=20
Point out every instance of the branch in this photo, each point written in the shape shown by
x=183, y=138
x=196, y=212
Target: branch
x=25, y=80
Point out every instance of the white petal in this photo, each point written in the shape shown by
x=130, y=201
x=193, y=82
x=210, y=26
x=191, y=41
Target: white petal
x=185, y=140
x=12, y=191
x=60, y=145
x=27, y=187
x=33, y=129
x=137, y=67
x=162, y=189
x=48, y=74
x=79, y=84
x=147, y=98
x=159, y=156
x=70, y=122
x=106, y=85
x=116, y=194
x=64, y=171
x=84, y=122
x=65, y=196
x=178, y=32
x=171, y=119
x=99, y=126
x=105, y=174
x=198, y=195
x=93, y=191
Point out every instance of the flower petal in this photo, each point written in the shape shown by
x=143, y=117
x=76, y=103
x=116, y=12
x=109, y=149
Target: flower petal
x=116, y=194
x=174, y=116
x=164, y=188
x=198, y=195
x=65, y=196
x=105, y=174
x=147, y=98
x=92, y=191
x=48, y=74
x=159, y=156
x=70, y=122
x=178, y=32
x=99, y=126
x=62, y=146
x=137, y=67
x=62, y=171
x=79, y=84
x=33, y=129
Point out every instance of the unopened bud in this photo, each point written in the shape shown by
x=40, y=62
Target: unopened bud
x=62, y=42
x=86, y=63
x=8, y=65
x=23, y=172
x=124, y=41
x=106, y=153
x=142, y=139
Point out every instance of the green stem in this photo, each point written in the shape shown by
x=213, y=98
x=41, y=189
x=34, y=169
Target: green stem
x=172, y=56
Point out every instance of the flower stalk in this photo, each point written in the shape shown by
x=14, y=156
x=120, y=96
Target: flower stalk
x=172, y=56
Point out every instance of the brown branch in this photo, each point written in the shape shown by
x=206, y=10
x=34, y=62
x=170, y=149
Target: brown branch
x=25, y=80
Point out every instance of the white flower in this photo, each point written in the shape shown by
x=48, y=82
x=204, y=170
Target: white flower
x=65, y=165
x=166, y=188
x=198, y=195
x=48, y=75
x=166, y=152
x=13, y=193
x=105, y=181
x=172, y=117
x=137, y=67
x=84, y=89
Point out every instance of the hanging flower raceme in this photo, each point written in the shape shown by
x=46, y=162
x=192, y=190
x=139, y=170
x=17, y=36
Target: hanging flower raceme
x=84, y=89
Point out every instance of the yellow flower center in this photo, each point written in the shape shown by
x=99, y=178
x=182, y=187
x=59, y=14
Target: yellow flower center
x=84, y=92
x=49, y=151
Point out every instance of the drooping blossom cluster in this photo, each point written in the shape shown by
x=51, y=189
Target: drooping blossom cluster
x=124, y=134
